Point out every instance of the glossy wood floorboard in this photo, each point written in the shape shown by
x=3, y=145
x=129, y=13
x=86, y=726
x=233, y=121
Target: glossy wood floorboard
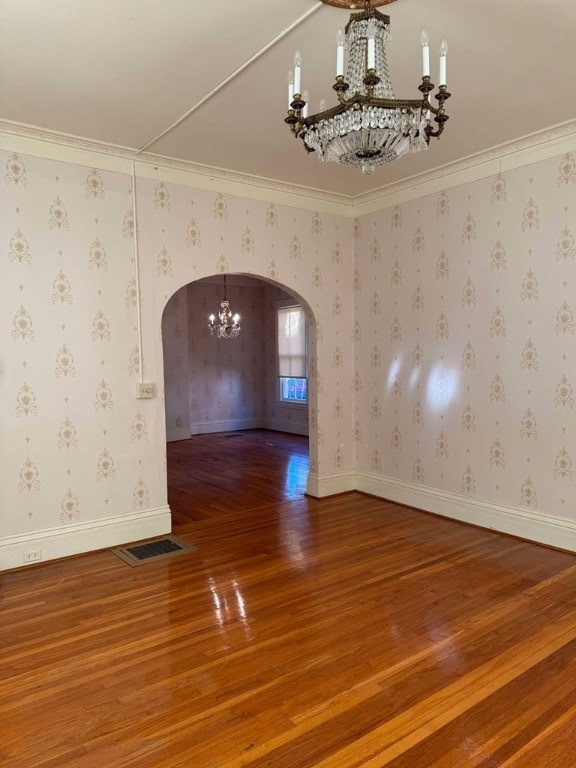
x=212, y=474
x=339, y=633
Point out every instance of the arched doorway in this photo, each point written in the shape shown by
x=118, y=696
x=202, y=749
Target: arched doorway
x=231, y=440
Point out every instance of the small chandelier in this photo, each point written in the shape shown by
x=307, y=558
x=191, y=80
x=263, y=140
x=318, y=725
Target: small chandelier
x=369, y=126
x=228, y=324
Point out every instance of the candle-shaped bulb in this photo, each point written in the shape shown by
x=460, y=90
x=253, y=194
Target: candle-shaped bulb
x=236, y=318
x=211, y=319
x=290, y=88
x=297, y=71
x=340, y=53
x=425, y=54
x=442, y=69
x=322, y=106
x=306, y=99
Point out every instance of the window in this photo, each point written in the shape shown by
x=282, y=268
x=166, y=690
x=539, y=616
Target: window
x=292, y=354
x=293, y=390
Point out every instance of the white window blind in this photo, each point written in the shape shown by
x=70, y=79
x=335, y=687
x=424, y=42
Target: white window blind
x=291, y=342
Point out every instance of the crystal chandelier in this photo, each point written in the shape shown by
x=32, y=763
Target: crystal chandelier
x=228, y=324
x=369, y=126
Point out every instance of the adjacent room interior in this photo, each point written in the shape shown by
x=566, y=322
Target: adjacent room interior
x=236, y=408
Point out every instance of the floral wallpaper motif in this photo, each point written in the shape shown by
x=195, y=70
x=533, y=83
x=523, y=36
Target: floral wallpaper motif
x=78, y=445
x=67, y=396
x=209, y=233
x=477, y=289
x=443, y=354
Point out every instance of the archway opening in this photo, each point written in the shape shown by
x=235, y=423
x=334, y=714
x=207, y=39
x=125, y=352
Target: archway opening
x=236, y=439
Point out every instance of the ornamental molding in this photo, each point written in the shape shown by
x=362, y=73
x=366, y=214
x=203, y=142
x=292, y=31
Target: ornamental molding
x=39, y=142
x=52, y=145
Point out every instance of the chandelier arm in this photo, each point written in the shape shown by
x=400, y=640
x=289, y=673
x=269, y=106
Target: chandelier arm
x=439, y=110
x=291, y=119
x=441, y=119
x=435, y=110
x=441, y=97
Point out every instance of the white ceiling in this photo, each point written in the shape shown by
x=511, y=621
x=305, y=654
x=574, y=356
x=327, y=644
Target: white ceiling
x=124, y=71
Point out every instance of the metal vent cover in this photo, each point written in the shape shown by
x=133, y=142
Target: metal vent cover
x=155, y=549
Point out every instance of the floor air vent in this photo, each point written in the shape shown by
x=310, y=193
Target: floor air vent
x=157, y=549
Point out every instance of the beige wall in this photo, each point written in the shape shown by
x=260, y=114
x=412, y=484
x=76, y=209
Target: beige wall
x=467, y=363
x=83, y=461
x=450, y=384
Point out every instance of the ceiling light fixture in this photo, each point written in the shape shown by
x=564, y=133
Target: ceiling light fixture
x=228, y=325
x=369, y=126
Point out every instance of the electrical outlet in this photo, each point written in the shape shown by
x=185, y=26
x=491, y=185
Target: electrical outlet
x=145, y=391
x=32, y=557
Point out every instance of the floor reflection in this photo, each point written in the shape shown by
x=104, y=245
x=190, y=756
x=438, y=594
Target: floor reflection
x=229, y=605
x=296, y=475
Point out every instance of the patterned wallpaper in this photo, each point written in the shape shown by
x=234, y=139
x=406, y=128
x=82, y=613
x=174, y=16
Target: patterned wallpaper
x=76, y=445
x=212, y=384
x=466, y=340
x=188, y=234
x=74, y=439
x=456, y=372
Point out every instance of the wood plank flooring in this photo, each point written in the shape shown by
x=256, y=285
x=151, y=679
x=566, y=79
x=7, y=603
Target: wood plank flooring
x=339, y=633
x=213, y=474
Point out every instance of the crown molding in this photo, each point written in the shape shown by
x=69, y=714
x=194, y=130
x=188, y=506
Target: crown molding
x=62, y=147
x=247, y=185
x=526, y=150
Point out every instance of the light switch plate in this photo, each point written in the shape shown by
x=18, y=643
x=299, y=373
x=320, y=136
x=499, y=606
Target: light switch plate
x=145, y=391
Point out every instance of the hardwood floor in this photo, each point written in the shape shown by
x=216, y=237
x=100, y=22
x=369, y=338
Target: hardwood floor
x=214, y=474
x=339, y=633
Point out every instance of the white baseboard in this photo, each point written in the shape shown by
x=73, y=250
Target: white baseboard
x=77, y=538
x=224, y=425
x=330, y=484
x=526, y=524
x=177, y=433
x=233, y=425
x=280, y=425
